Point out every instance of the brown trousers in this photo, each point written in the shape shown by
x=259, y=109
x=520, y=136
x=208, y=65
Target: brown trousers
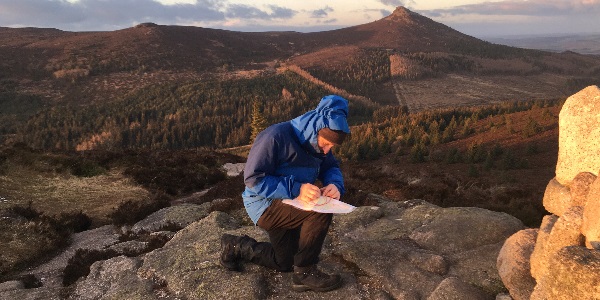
x=296, y=237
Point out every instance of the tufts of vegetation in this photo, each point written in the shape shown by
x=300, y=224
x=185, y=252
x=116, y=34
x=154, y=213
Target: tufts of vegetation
x=130, y=212
x=86, y=168
x=27, y=212
x=156, y=241
x=226, y=204
x=29, y=235
x=79, y=265
x=64, y=223
x=75, y=221
x=29, y=281
x=461, y=189
x=178, y=174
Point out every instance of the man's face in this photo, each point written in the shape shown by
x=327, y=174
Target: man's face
x=324, y=144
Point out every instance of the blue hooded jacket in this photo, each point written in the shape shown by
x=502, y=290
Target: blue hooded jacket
x=286, y=155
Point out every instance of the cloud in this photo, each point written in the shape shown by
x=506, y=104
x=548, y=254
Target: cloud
x=385, y=12
x=521, y=8
x=282, y=12
x=34, y=11
x=396, y=3
x=392, y=2
x=321, y=13
x=103, y=14
x=246, y=12
x=510, y=17
x=243, y=11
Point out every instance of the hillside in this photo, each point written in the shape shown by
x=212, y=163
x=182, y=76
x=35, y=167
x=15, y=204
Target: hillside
x=161, y=84
x=96, y=66
x=183, y=48
x=164, y=88
x=501, y=163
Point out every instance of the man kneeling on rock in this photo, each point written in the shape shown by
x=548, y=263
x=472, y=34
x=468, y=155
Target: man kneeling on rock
x=284, y=162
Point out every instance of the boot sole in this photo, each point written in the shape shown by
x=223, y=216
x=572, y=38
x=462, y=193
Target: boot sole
x=304, y=288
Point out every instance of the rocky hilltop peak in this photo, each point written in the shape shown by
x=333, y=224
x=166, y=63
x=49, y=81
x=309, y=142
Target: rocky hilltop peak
x=146, y=25
x=406, y=30
x=401, y=14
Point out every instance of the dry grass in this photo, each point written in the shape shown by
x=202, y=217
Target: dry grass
x=53, y=193
x=467, y=91
x=30, y=178
x=23, y=242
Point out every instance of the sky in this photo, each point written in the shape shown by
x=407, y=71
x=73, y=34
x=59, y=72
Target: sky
x=478, y=18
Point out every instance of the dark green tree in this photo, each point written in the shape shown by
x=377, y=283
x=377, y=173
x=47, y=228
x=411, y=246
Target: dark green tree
x=259, y=122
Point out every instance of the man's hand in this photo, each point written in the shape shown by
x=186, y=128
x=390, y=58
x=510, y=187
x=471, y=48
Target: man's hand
x=309, y=192
x=331, y=191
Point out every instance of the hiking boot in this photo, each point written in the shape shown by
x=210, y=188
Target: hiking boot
x=229, y=258
x=235, y=250
x=310, y=278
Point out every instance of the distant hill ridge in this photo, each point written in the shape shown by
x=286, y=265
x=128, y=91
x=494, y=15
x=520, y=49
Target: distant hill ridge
x=404, y=59
x=200, y=49
x=579, y=43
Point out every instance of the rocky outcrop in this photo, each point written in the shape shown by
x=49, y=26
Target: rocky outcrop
x=407, y=250
x=591, y=217
x=458, y=229
x=234, y=169
x=575, y=275
x=115, y=278
x=513, y=263
x=566, y=255
x=557, y=197
x=579, y=135
x=172, y=218
x=51, y=273
x=564, y=233
x=454, y=288
x=539, y=252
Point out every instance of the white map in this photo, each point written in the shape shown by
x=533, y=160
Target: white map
x=322, y=204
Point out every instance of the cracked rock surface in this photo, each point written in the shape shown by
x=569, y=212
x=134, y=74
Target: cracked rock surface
x=395, y=250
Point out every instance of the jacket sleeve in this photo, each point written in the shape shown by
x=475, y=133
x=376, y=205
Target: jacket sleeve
x=331, y=173
x=260, y=170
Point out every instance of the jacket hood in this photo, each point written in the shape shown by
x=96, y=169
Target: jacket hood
x=332, y=112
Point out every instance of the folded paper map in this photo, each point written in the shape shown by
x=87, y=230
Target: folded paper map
x=322, y=204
